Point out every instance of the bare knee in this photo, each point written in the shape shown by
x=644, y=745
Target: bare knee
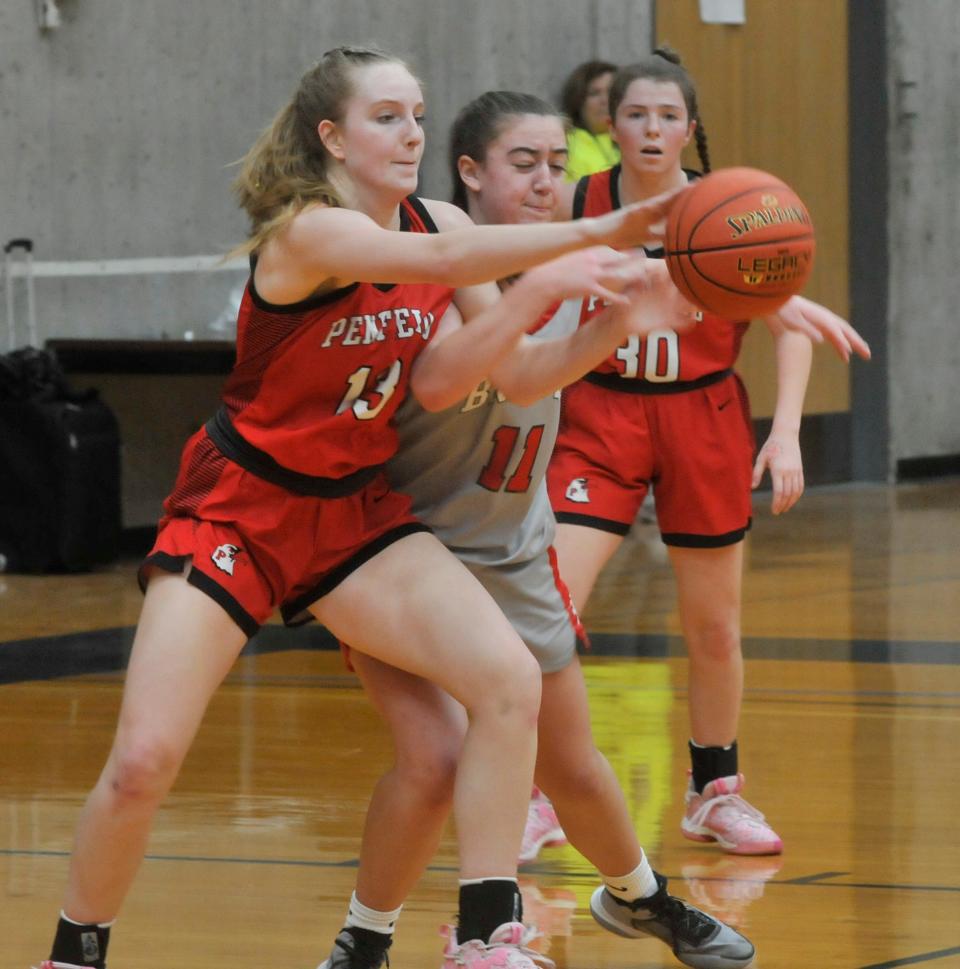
x=430, y=773
x=141, y=772
x=510, y=688
x=717, y=641
x=582, y=777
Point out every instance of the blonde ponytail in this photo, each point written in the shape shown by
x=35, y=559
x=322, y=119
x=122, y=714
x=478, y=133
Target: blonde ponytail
x=286, y=169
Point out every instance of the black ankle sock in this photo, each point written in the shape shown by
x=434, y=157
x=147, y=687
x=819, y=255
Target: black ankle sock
x=652, y=903
x=371, y=944
x=485, y=906
x=709, y=763
x=657, y=898
x=80, y=945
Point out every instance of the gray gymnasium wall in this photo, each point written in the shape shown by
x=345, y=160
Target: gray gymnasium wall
x=116, y=127
x=923, y=141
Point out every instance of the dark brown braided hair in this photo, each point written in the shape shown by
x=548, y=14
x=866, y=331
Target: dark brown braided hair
x=663, y=65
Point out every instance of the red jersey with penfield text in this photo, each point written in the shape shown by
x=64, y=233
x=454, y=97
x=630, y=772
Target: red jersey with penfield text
x=316, y=383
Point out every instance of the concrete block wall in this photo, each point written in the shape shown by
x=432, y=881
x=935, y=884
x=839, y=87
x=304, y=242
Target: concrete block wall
x=923, y=139
x=117, y=128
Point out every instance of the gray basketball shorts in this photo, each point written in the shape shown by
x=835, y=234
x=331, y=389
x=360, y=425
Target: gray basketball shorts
x=531, y=599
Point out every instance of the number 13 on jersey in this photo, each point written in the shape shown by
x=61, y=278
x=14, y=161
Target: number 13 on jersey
x=366, y=404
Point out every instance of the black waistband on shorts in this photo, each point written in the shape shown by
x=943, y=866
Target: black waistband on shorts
x=626, y=385
x=233, y=445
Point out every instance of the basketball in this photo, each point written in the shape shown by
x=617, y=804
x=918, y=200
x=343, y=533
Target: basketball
x=739, y=243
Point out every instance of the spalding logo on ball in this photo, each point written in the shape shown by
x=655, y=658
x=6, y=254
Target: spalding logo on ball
x=739, y=243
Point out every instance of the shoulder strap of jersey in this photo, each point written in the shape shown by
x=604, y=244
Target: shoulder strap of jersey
x=610, y=199
x=596, y=194
x=420, y=218
x=580, y=196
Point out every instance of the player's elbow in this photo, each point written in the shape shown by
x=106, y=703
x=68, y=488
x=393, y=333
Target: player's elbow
x=512, y=380
x=432, y=395
x=435, y=402
x=521, y=395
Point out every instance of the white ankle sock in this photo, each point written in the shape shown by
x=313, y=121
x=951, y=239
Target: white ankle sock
x=639, y=883
x=362, y=917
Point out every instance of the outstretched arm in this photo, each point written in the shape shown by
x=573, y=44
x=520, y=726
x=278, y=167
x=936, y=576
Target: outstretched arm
x=817, y=322
x=537, y=368
x=459, y=357
x=780, y=453
x=327, y=247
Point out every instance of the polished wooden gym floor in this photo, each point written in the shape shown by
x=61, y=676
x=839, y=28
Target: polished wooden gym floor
x=850, y=743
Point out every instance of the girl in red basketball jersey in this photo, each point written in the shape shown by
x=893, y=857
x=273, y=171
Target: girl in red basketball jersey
x=281, y=501
x=668, y=412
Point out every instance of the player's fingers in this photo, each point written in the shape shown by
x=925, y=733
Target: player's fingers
x=777, y=480
x=857, y=342
x=621, y=274
x=797, y=486
x=789, y=492
x=632, y=271
x=660, y=205
x=657, y=232
x=608, y=295
x=608, y=258
x=839, y=342
x=842, y=335
x=614, y=257
x=799, y=322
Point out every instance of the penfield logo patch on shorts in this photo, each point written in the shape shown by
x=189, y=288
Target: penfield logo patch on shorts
x=90, y=945
x=224, y=557
x=577, y=491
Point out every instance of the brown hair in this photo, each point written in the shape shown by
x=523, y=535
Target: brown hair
x=574, y=91
x=663, y=65
x=480, y=122
x=286, y=169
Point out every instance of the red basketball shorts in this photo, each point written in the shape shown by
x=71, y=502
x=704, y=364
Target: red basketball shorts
x=256, y=547
x=695, y=449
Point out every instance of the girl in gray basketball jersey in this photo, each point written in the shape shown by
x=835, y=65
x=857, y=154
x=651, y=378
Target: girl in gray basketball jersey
x=475, y=472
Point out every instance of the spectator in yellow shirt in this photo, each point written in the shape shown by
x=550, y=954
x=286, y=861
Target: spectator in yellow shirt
x=584, y=99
